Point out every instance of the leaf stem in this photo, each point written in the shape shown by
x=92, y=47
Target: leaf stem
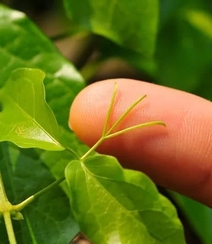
x=106, y=134
x=30, y=199
x=118, y=121
x=93, y=148
x=104, y=131
x=134, y=127
x=112, y=101
x=72, y=152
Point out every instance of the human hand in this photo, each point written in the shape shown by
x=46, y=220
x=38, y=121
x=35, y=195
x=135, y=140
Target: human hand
x=178, y=156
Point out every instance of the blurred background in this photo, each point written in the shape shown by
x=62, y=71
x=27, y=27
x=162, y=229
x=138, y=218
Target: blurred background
x=182, y=60
x=183, y=53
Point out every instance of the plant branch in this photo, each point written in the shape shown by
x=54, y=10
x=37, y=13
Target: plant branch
x=30, y=199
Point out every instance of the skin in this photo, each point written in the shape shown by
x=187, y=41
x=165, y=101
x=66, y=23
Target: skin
x=178, y=156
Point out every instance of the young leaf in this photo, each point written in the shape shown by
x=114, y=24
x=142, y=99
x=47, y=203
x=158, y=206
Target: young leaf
x=113, y=205
x=132, y=24
x=25, y=117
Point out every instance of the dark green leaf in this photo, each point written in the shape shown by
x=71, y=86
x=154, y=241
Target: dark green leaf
x=25, y=117
x=199, y=216
x=183, y=53
x=48, y=219
x=113, y=205
x=131, y=24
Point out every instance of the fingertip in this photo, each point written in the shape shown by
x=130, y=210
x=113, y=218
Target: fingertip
x=88, y=110
x=177, y=156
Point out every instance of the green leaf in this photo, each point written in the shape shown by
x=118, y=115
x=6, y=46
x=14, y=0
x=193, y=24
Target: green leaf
x=46, y=220
x=198, y=215
x=184, y=47
x=57, y=161
x=201, y=20
x=132, y=24
x=22, y=44
x=113, y=205
x=25, y=117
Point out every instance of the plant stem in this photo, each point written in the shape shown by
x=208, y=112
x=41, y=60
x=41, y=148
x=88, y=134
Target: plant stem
x=92, y=148
x=5, y=209
x=9, y=227
x=30, y=199
x=3, y=196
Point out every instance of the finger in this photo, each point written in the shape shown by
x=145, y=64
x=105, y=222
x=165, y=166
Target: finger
x=178, y=156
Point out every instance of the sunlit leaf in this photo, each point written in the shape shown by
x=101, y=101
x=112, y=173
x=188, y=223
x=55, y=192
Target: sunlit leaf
x=113, y=205
x=22, y=44
x=25, y=117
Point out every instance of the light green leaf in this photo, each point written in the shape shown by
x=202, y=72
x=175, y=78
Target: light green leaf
x=25, y=117
x=113, y=205
x=22, y=44
x=48, y=220
x=132, y=24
